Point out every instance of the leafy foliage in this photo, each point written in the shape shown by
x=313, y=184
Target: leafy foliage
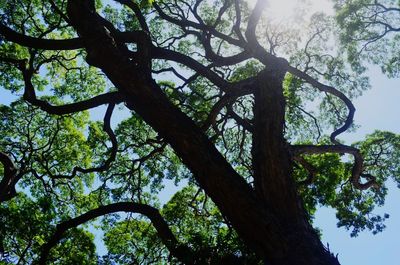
x=370, y=32
x=25, y=226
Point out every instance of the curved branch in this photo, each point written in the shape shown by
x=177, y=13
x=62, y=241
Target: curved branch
x=239, y=88
x=30, y=96
x=357, y=170
x=236, y=27
x=178, y=57
x=332, y=91
x=179, y=251
x=225, y=100
x=254, y=18
x=107, y=98
x=219, y=60
x=113, y=153
x=136, y=9
x=37, y=43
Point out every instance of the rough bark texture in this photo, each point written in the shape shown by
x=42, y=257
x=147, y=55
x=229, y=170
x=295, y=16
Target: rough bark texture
x=274, y=184
x=275, y=227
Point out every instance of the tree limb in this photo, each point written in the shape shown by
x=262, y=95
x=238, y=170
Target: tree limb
x=332, y=91
x=312, y=171
x=242, y=87
x=113, y=153
x=357, y=170
x=184, y=23
x=64, y=44
x=136, y=9
x=30, y=96
x=37, y=43
x=181, y=252
x=10, y=178
x=254, y=18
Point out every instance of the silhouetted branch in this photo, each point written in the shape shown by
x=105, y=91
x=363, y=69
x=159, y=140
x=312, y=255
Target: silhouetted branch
x=185, y=23
x=113, y=152
x=333, y=91
x=179, y=251
x=38, y=43
x=312, y=171
x=246, y=124
x=10, y=177
x=136, y=9
x=254, y=18
x=215, y=110
x=357, y=170
x=239, y=88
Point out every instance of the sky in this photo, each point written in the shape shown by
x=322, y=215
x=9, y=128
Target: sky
x=379, y=109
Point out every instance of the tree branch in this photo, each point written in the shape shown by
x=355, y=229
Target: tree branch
x=181, y=252
x=357, y=170
x=10, y=178
x=312, y=171
x=107, y=98
x=240, y=88
x=245, y=123
x=37, y=43
x=184, y=23
x=254, y=18
x=30, y=96
x=136, y=9
x=64, y=44
x=113, y=153
x=332, y=91
x=226, y=99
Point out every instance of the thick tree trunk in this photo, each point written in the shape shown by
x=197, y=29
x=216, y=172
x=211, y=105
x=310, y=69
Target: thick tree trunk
x=271, y=159
x=274, y=185
x=276, y=230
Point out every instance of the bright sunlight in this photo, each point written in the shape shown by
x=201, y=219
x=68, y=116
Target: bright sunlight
x=281, y=10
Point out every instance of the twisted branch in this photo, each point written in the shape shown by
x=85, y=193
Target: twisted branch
x=357, y=170
x=333, y=91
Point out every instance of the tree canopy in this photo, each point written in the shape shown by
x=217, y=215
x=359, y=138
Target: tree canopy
x=241, y=111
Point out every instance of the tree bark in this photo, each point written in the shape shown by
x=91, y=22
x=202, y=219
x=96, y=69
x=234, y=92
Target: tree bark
x=261, y=225
x=272, y=168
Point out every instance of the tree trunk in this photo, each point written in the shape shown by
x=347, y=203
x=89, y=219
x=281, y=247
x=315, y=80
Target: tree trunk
x=276, y=230
x=273, y=182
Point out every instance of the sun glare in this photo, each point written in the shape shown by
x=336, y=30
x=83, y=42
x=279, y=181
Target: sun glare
x=281, y=9
x=284, y=10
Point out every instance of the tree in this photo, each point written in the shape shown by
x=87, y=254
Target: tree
x=212, y=102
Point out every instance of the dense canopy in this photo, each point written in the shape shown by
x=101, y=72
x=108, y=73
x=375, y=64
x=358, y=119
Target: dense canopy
x=119, y=102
